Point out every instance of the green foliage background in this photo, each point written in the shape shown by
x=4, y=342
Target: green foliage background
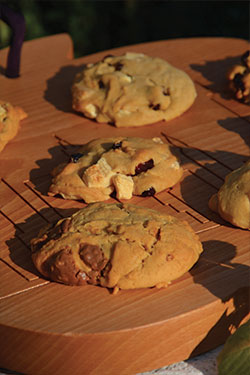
x=98, y=25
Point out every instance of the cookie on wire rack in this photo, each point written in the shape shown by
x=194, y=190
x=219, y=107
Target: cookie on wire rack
x=117, y=246
x=10, y=117
x=125, y=166
x=132, y=90
x=232, y=201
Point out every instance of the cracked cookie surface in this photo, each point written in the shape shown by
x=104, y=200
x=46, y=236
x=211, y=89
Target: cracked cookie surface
x=10, y=117
x=119, y=246
x=132, y=90
x=232, y=201
x=125, y=165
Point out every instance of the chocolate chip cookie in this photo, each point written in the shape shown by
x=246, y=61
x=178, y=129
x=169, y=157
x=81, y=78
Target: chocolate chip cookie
x=10, y=117
x=125, y=166
x=117, y=246
x=239, y=78
x=132, y=90
x=232, y=201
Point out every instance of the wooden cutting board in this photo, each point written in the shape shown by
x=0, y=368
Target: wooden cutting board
x=48, y=328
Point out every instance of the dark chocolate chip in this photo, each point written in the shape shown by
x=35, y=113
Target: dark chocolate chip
x=106, y=269
x=118, y=66
x=92, y=256
x=93, y=277
x=75, y=157
x=238, y=83
x=149, y=193
x=61, y=267
x=166, y=92
x=117, y=145
x=245, y=59
x=158, y=234
x=82, y=275
x=155, y=107
x=143, y=167
x=101, y=84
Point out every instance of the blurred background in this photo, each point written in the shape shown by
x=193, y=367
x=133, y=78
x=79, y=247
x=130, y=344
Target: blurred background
x=99, y=25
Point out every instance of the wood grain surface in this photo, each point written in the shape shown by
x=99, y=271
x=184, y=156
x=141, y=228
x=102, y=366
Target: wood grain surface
x=48, y=328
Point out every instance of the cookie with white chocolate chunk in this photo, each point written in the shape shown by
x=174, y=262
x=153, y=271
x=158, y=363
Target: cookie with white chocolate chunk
x=125, y=166
x=239, y=79
x=132, y=90
x=10, y=117
x=232, y=201
x=118, y=246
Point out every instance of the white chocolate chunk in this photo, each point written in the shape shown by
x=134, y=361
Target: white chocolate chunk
x=98, y=175
x=123, y=112
x=157, y=140
x=134, y=56
x=124, y=186
x=175, y=165
x=125, y=78
x=91, y=110
x=2, y=113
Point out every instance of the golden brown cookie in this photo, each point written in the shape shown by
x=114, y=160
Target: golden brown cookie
x=239, y=78
x=125, y=165
x=10, y=117
x=116, y=246
x=132, y=90
x=232, y=201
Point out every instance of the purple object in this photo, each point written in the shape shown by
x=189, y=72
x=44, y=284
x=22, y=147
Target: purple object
x=16, y=22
